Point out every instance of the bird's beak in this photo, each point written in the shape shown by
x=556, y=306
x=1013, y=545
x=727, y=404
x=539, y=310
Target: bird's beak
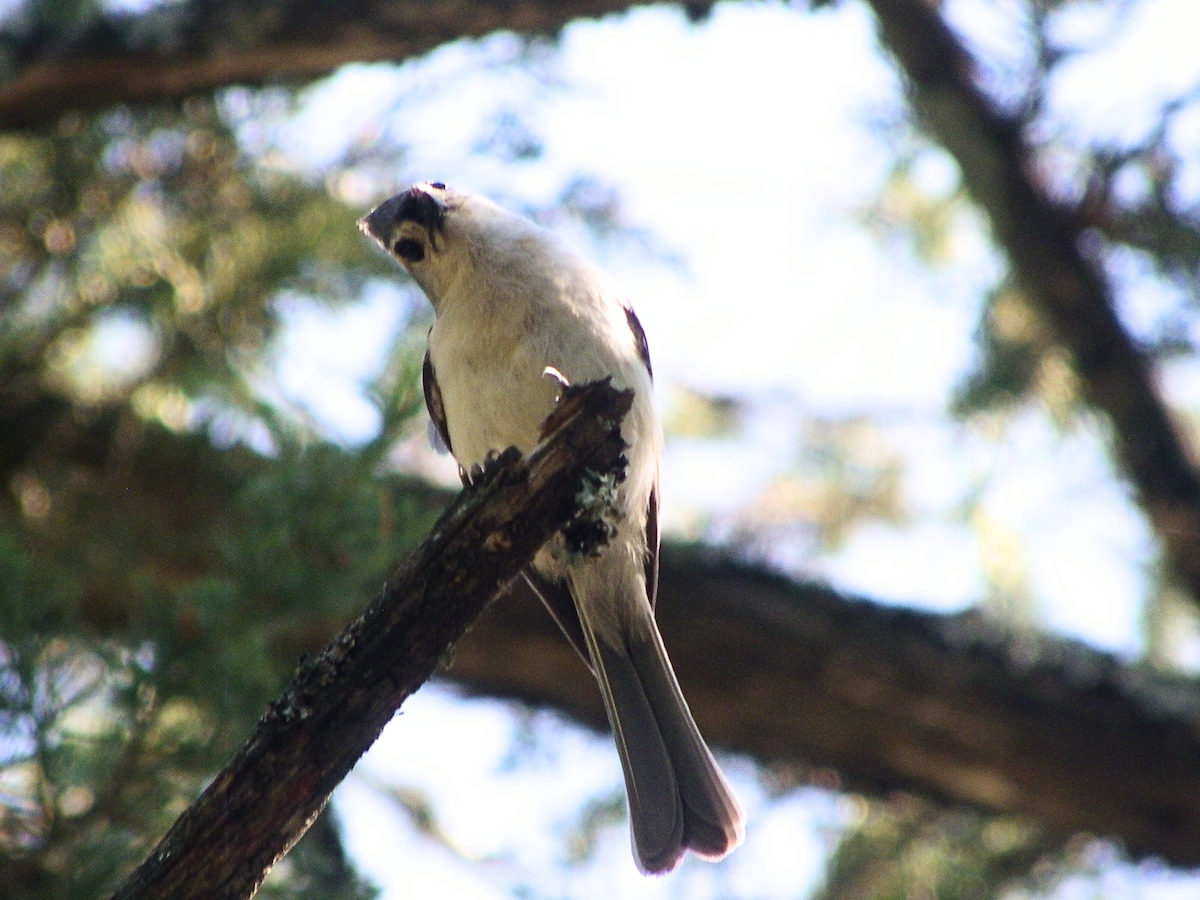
x=377, y=224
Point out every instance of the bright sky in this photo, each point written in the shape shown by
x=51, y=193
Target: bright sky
x=746, y=147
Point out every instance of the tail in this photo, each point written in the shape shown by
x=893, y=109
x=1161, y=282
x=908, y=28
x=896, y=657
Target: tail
x=678, y=798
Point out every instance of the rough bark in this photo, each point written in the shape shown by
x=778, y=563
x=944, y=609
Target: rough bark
x=335, y=707
x=182, y=49
x=1042, y=241
x=947, y=706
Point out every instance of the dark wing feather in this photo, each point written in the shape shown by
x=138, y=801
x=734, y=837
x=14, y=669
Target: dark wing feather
x=639, y=336
x=651, y=558
x=433, y=401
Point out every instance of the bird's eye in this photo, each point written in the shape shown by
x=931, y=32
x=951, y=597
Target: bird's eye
x=438, y=185
x=409, y=250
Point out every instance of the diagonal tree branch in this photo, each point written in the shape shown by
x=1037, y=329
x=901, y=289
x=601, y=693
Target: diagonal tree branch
x=1041, y=239
x=337, y=703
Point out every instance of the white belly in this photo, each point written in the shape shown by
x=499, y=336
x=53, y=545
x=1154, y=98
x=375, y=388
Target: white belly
x=493, y=408
x=497, y=395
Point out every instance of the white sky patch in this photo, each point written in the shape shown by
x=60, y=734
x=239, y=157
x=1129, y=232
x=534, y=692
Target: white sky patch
x=341, y=110
x=1087, y=548
x=996, y=33
x=1184, y=136
x=755, y=184
x=327, y=354
x=932, y=566
x=507, y=814
x=499, y=807
x=1114, y=94
x=784, y=854
x=115, y=351
x=122, y=347
x=1145, y=302
x=392, y=853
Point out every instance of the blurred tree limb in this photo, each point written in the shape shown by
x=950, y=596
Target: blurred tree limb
x=948, y=706
x=339, y=701
x=180, y=49
x=1042, y=241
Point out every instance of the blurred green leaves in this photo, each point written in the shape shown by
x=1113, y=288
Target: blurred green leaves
x=157, y=216
x=908, y=849
x=157, y=586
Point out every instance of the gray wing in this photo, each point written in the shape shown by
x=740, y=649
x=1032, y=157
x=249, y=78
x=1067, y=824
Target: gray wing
x=639, y=336
x=433, y=401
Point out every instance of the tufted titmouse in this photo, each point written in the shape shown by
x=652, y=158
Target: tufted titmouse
x=516, y=315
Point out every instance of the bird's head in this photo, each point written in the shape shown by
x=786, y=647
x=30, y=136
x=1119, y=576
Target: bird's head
x=436, y=233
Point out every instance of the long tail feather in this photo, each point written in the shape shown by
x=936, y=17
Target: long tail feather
x=656, y=816
x=678, y=798
x=713, y=821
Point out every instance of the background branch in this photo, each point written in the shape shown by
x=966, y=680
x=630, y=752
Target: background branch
x=949, y=706
x=1070, y=290
x=186, y=48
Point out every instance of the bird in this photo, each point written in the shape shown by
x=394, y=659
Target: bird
x=517, y=314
